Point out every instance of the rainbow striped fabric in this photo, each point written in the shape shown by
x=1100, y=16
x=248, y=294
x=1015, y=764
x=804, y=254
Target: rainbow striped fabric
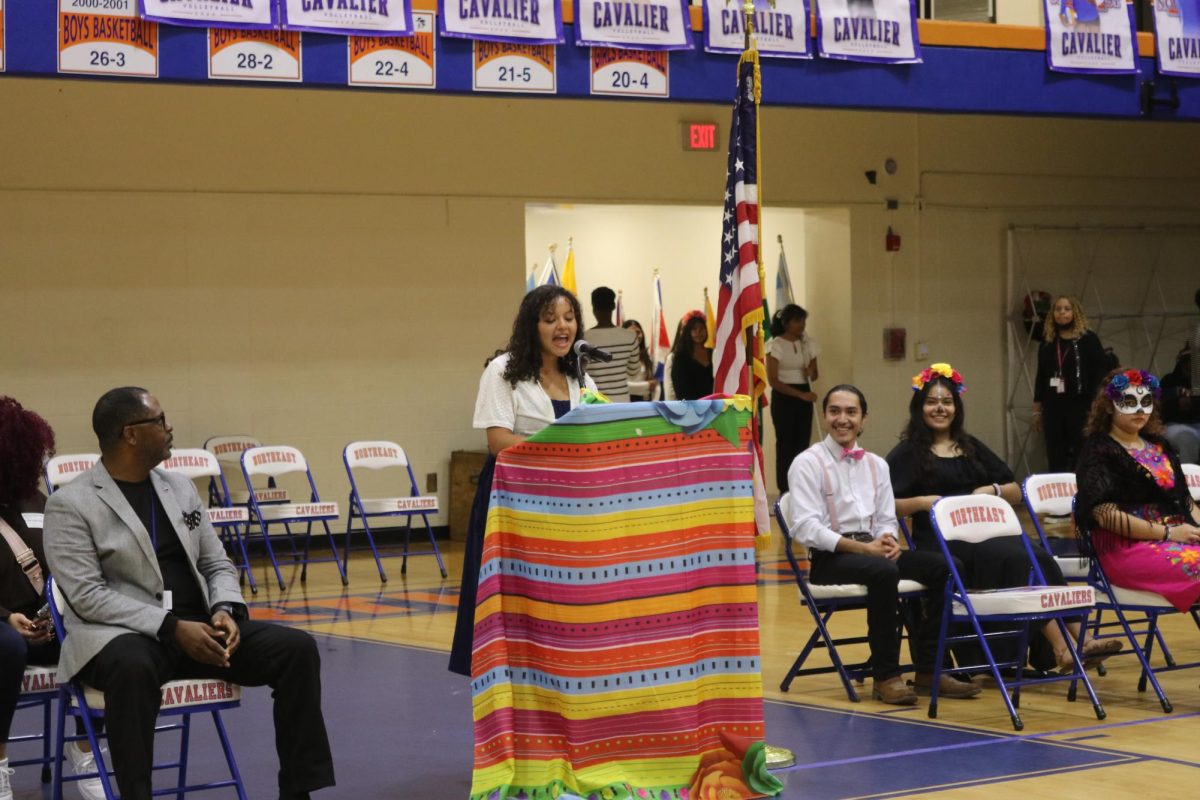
x=616, y=626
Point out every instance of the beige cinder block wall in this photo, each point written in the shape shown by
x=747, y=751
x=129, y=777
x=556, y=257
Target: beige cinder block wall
x=315, y=266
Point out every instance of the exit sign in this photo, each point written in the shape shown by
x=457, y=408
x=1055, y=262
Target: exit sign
x=700, y=136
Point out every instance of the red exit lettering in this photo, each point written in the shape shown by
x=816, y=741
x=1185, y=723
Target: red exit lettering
x=700, y=136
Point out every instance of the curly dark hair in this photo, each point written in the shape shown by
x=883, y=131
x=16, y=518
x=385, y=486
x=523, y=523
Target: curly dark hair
x=525, y=347
x=1100, y=415
x=917, y=433
x=26, y=440
x=643, y=353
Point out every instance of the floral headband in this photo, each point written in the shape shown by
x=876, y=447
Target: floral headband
x=691, y=315
x=1131, y=377
x=938, y=371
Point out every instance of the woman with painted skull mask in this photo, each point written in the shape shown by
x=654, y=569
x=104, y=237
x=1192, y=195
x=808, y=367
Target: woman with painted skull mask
x=1133, y=499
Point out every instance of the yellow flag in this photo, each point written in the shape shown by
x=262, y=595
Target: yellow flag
x=568, y=275
x=710, y=321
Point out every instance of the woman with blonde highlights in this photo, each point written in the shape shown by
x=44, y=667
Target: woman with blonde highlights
x=1070, y=365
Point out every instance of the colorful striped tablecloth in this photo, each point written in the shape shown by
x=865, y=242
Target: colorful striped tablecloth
x=616, y=626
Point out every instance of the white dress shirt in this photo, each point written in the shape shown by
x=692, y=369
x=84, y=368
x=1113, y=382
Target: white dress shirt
x=523, y=409
x=861, y=504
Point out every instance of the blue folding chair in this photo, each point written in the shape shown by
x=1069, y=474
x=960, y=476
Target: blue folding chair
x=377, y=455
x=274, y=461
x=977, y=518
x=181, y=699
x=227, y=519
x=822, y=600
x=61, y=470
x=228, y=452
x=39, y=687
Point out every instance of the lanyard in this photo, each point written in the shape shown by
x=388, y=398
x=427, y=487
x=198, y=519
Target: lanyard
x=153, y=520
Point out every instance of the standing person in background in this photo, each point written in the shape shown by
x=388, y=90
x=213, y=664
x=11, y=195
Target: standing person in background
x=791, y=370
x=1181, y=409
x=689, y=367
x=642, y=385
x=1194, y=346
x=1070, y=365
x=522, y=390
x=611, y=377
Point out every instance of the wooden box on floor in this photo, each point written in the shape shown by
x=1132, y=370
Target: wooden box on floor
x=465, y=466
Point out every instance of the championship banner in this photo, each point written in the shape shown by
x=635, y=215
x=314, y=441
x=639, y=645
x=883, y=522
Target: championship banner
x=395, y=61
x=630, y=73
x=349, y=17
x=1090, y=36
x=106, y=38
x=508, y=67
x=780, y=30
x=878, y=31
x=250, y=55
x=520, y=21
x=1177, y=30
x=211, y=13
x=636, y=24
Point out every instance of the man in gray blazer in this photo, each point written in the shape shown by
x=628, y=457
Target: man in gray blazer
x=152, y=597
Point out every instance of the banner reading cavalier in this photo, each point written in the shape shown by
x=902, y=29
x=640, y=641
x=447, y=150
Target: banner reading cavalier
x=520, y=21
x=213, y=13
x=108, y=40
x=349, y=17
x=1177, y=29
x=633, y=24
x=780, y=30
x=1090, y=36
x=878, y=31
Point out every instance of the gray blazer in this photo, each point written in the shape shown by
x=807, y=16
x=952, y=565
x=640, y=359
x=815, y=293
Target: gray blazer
x=101, y=556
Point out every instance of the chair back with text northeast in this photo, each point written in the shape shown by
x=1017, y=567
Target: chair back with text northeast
x=61, y=470
x=1050, y=495
x=230, y=521
x=975, y=519
x=822, y=600
x=1191, y=474
x=272, y=462
x=228, y=452
x=407, y=502
x=181, y=698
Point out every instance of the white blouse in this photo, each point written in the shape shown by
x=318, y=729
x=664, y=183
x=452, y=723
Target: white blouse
x=793, y=357
x=523, y=409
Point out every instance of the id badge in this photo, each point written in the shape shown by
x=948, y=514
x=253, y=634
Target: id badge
x=168, y=600
x=1058, y=384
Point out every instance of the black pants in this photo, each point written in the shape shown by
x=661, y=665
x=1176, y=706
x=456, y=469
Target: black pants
x=15, y=655
x=881, y=576
x=792, y=418
x=1062, y=426
x=131, y=668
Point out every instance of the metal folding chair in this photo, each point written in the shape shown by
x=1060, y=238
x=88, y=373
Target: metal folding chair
x=379, y=455
x=977, y=518
x=39, y=687
x=228, y=452
x=61, y=470
x=822, y=600
x=1050, y=495
x=272, y=462
x=1191, y=474
x=181, y=699
x=229, y=520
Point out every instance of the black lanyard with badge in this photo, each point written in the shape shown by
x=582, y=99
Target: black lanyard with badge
x=1057, y=383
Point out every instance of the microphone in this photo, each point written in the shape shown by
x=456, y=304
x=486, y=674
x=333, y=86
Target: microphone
x=585, y=350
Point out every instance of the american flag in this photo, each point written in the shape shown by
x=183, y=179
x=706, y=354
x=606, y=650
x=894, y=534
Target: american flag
x=740, y=302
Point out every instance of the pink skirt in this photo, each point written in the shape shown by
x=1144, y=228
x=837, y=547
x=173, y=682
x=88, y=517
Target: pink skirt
x=1167, y=568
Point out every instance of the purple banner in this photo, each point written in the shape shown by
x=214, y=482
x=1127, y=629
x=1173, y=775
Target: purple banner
x=245, y=14
x=633, y=24
x=517, y=21
x=349, y=17
x=876, y=31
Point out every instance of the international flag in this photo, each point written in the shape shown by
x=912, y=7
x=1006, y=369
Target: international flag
x=531, y=279
x=783, y=281
x=660, y=342
x=568, y=273
x=620, y=309
x=740, y=300
x=550, y=271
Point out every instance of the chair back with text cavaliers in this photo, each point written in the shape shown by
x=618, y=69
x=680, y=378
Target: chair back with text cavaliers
x=61, y=470
x=272, y=462
x=822, y=600
x=407, y=502
x=975, y=519
x=1050, y=495
x=1191, y=474
x=229, y=520
x=181, y=698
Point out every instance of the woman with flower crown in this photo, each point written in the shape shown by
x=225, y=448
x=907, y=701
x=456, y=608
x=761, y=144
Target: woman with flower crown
x=1133, y=499
x=937, y=458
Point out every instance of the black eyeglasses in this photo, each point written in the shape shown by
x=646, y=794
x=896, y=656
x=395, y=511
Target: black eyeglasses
x=160, y=421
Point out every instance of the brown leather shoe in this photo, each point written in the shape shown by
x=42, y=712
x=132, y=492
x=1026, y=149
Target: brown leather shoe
x=893, y=691
x=948, y=686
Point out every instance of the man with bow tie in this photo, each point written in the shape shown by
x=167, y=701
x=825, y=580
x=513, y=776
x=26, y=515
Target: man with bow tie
x=844, y=511
x=152, y=597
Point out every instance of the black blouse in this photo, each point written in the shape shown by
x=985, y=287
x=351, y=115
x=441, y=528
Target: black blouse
x=691, y=379
x=1106, y=473
x=16, y=592
x=1082, y=367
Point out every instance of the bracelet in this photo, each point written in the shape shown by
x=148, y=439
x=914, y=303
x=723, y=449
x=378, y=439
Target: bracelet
x=1166, y=532
x=996, y=489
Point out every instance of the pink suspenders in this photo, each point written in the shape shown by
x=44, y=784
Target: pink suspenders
x=827, y=489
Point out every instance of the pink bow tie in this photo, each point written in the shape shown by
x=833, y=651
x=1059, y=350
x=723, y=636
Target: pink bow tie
x=856, y=453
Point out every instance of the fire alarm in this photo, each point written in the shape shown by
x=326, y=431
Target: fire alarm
x=892, y=240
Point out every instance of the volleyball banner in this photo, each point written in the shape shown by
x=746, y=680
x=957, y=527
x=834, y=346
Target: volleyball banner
x=107, y=40
x=780, y=30
x=213, y=13
x=877, y=31
x=633, y=24
x=395, y=61
x=519, y=21
x=1177, y=30
x=349, y=17
x=1090, y=36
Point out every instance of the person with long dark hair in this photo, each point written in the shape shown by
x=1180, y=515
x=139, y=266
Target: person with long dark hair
x=1070, y=365
x=690, y=367
x=524, y=389
x=791, y=369
x=643, y=385
x=1133, y=499
x=936, y=458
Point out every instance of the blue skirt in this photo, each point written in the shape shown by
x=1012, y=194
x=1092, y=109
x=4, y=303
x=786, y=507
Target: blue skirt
x=464, y=626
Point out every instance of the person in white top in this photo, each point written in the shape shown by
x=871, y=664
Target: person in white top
x=843, y=510
x=612, y=377
x=643, y=385
x=791, y=371
x=523, y=390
